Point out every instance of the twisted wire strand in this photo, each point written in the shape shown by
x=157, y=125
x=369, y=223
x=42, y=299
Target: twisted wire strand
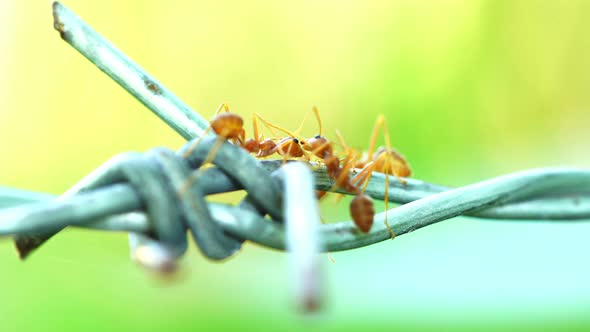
x=104, y=193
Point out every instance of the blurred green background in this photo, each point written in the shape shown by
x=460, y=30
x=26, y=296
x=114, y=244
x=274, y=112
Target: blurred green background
x=471, y=90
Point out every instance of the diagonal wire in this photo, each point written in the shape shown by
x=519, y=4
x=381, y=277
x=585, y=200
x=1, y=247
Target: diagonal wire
x=139, y=83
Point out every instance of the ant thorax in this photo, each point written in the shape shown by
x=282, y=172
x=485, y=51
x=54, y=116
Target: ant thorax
x=290, y=146
x=391, y=162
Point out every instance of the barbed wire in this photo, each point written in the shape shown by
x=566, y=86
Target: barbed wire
x=142, y=193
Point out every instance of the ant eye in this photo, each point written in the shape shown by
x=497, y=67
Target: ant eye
x=296, y=140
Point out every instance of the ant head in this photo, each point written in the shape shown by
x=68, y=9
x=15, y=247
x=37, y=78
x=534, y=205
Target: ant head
x=228, y=125
x=319, y=146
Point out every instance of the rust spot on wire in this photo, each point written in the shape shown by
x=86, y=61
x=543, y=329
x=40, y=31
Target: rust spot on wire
x=153, y=87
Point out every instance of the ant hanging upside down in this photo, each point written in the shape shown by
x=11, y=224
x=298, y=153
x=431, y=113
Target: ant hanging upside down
x=386, y=160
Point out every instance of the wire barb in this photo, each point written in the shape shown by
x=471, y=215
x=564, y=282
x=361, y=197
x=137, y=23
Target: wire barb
x=130, y=76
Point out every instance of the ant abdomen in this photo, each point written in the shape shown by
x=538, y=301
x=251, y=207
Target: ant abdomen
x=362, y=212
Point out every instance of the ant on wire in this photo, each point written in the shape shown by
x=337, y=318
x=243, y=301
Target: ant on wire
x=319, y=147
x=385, y=160
x=230, y=126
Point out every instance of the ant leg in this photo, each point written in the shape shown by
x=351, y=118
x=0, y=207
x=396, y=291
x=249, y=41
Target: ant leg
x=195, y=143
x=319, y=194
x=209, y=158
x=320, y=148
x=386, y=136
x=193, y=146
x=386, y=198
x=214, y=149
x=309, y=155
x=331, y=258
x=338, y=198
x=285, y=156
x=387, y=170
x=342, y=181
x=222, y=107
x=341, y=140
x=401, y=180
x=364, y=176
x=267, y=124
x=343, y=174
x=388, y=147
x=378, y=124
x=255, y=128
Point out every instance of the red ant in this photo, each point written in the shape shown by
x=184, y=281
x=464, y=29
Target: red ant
x=230, y=126
x=385, y=160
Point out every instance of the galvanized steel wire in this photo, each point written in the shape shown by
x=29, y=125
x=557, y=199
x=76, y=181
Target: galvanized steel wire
x=142, y=193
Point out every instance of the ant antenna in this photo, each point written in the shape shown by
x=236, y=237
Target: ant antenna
x=270, y=126
x=341, y=140
x=317, y=116
x=386, y=134
x=298, y=131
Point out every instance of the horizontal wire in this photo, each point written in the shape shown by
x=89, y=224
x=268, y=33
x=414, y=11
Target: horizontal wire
x=561, y=206
x=555, y=205
x=338, y=236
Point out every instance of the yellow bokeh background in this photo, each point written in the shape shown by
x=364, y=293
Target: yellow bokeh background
x=470, y=89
